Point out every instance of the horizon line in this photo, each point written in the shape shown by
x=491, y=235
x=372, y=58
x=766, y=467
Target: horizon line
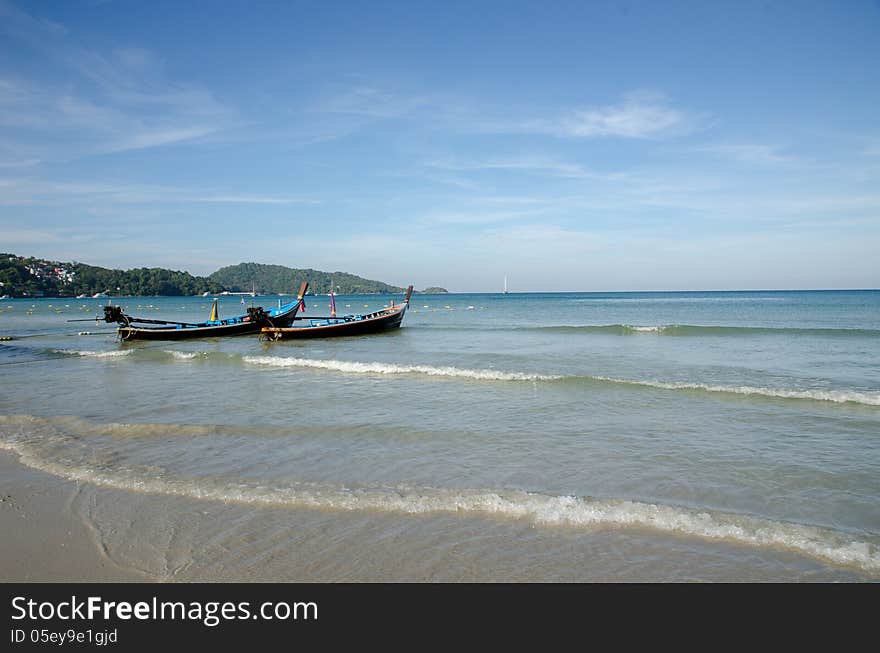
x=525, y=292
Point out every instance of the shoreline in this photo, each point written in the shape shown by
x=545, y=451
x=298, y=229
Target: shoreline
x=42, y=540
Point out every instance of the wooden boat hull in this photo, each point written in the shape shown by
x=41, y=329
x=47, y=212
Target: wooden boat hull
x=183, y=333
x=353, y=326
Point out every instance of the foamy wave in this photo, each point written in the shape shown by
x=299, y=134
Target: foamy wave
x=95, y=354
x=708, y=330
x=391, y=368
x=183, y=355
x=613, y=329
x=836, y=396
x=539, y=509
x=646, y=329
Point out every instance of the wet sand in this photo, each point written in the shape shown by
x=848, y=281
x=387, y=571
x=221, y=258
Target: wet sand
x=42, y=540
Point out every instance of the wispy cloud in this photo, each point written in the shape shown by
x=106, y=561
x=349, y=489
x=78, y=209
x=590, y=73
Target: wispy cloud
x=634, y=118
x=456, y=181
x=373, y=102
x=254, y=199
x=107, y=102
x=17, y=191
x=638, y=115
x=750, y=153
x=18, y=163
x=476, y=216
x=14, y=237
x=538, y=164
x=58, y=125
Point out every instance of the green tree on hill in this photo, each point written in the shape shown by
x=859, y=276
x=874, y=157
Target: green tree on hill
x=23, y=277
x=280, y=279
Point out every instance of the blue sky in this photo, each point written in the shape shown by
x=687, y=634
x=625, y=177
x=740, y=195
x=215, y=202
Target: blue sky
x=567, y=145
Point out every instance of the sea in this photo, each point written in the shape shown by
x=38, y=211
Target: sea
x=551, y=437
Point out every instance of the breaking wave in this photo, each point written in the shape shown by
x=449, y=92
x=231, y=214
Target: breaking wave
x=184, y=355
x=539, y=509
x=354, y=367
x=868, y=398
x=701, y=330
x=94, y=354
x=836, y=396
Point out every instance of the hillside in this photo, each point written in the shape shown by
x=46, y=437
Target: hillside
x=33, y=277
x=272, y=279
x=22, y=276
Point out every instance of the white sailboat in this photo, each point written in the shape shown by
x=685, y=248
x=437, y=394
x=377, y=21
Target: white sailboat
x=505, y=284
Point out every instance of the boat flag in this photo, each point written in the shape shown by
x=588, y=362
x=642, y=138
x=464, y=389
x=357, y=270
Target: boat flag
x=301, y=306
x=332, y=305
x=215, y=314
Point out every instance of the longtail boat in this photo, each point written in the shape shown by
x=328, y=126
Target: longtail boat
x=344, y=325
x=251, y=322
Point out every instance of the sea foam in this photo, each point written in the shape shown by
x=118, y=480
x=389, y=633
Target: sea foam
x=94, y=354
x=354, y=367
x=698, y=330
x=867, y=398
x=183, y=355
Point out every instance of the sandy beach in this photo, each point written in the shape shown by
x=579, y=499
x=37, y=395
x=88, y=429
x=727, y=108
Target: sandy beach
x=42, y=541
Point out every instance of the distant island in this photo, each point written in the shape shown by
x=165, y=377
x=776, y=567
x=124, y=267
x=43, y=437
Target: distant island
x=22, y=276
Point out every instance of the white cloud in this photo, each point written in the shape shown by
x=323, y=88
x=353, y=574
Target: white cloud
x=632, y=119
x=639, y=115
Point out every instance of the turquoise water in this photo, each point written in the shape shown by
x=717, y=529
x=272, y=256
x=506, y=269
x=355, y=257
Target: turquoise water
x=547, y=437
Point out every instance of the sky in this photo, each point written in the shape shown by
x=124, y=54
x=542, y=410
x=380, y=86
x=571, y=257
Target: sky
x=569, y=146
